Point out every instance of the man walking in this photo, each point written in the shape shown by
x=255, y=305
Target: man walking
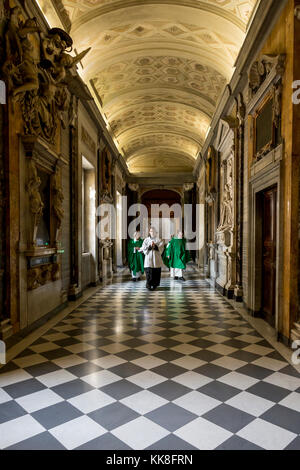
x=152, y=248
x=176, y=256
x=135, y=257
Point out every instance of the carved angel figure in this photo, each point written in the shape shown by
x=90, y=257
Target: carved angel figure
x=65, y=62
x=55, y=58
x=46, y=109
x=52, y=46
x=39, y=73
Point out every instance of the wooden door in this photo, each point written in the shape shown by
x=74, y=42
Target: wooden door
x=269, y=232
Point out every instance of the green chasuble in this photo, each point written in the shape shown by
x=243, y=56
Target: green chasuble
x=166, y=254
x=177, y=253
x=135, y=260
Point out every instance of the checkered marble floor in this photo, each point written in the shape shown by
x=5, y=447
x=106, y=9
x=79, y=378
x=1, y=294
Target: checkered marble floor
x=177, y=368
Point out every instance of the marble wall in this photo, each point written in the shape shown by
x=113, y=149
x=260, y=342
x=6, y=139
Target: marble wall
x=44, y=168
x=278, y=167
x=2, y=217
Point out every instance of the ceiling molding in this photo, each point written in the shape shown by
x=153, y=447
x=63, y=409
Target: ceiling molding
x=207, y=56
x=162, y=180
x=184, y=130
x=159, y=68
x=180, y=103
x=161, y=150
x=124, y=4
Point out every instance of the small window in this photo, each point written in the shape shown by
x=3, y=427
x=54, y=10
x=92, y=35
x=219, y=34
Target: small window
x=88, y=206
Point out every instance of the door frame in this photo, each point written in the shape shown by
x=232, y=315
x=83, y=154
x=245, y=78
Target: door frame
x=264, y=177
x=119, y=230
x=260, y=199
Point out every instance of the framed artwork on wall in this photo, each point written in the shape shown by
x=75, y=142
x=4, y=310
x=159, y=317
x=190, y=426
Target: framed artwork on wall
x=264, y=127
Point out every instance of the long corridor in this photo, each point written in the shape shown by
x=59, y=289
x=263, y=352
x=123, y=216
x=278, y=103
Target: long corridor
x=177, y=368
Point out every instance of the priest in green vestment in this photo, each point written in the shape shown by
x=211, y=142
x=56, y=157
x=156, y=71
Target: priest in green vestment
x=135, y=257
x=176, y=256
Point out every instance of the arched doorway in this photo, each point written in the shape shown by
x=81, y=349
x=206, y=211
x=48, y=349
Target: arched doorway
x=166, y=221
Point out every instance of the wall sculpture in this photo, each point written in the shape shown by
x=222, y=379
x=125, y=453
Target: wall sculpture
x=35, y=201
x=57, y=204
x=106, y=166
x=39, y=276
x=211, y=170
x=38, y=68
x=225, y=235
x=226, y=215
x=264, y=68
x=265, y=105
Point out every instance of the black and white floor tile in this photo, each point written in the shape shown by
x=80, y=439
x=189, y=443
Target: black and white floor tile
x=177, y=368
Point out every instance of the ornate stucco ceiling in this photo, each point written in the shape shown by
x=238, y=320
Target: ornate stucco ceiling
x=158, y=69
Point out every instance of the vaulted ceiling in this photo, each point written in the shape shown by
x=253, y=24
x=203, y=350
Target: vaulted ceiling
x=158, y=69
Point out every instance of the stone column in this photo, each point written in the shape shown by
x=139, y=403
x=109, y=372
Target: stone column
x=75, y=248
x=114, y=196
x=124, y=219
x=239, y=159
x=187, y=198
x=201, y=228
x=295, y=334
x=5, y=320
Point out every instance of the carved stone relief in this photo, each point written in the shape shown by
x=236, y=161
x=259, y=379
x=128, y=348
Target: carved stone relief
x=39, y=276
x=264, y=67
x=239, y=158
x=201, y=186
x=38, y=69
x=57, y=202
x=225, y=244
x=3, y=205
x=39, y=161
x=35, y=201
x=106, y=173
x=226, y=217
x=265, y=105
x=105, y=259
x=211, y=170
x=87, y=140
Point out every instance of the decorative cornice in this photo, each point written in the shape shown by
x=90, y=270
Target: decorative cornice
x=62, y=13
x=39, y=150
x=122, y=4
x=165, y=180
x=263, y=73
x=231, y=121
x=78, y=88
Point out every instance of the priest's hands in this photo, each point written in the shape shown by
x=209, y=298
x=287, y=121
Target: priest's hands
x=153, y=247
